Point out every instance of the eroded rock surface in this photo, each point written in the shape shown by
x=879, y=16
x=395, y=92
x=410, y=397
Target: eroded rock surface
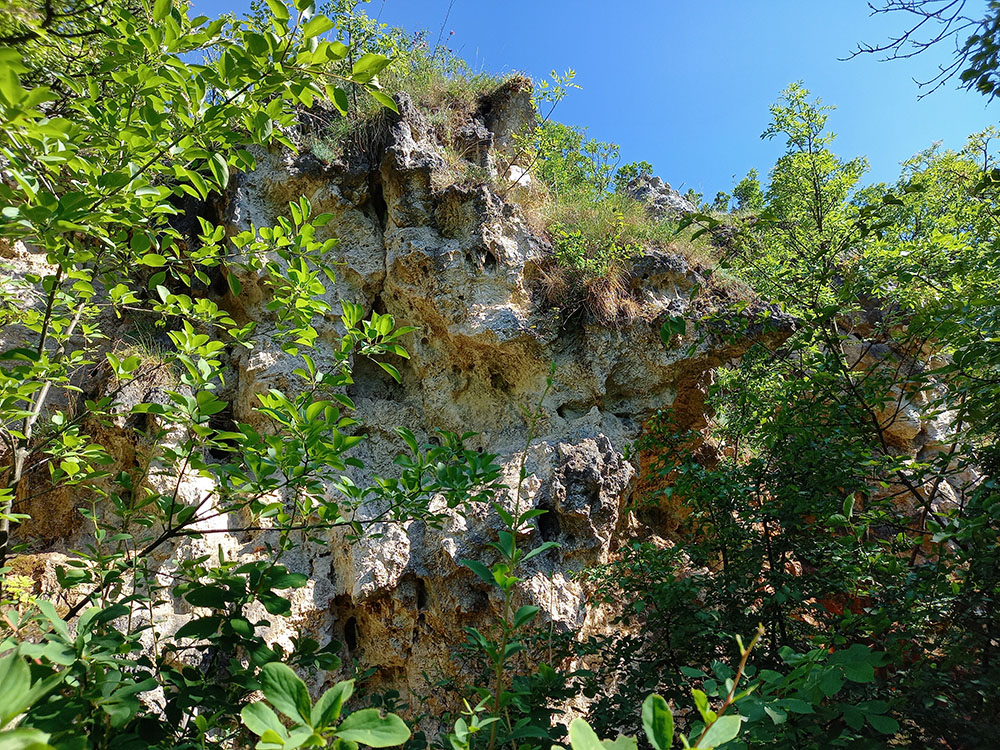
x=660, y=199
x=458, y=264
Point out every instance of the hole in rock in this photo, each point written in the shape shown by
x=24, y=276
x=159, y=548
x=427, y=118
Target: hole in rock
x=371, y=381
x=218, y=284
x=574, y=410
x=421, y=594
x=141, y=423
x=499, y=382
x=479, y=602
x=222, y=421
x=377, y=201
x=352, y=633
x=626, y=418
x=593, y=493
x=490, y=261
x=548, y=525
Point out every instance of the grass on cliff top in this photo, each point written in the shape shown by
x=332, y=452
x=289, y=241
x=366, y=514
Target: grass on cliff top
x=595, y=243
x=442, y=85
x=595, y=234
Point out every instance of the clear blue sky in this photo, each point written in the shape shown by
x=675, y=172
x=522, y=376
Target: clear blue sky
x=686, y=84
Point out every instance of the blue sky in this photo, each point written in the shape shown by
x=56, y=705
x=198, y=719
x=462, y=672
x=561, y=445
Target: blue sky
x=686, y=84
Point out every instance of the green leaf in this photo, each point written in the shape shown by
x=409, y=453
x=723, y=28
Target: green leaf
x=857, y=661
x=582, y=737
x=241, y=626
x=723, y=729
x=274, y=604
x=370, y=728
x=339, y=98
x=161, y=9
x=258, y=718
x=831, y=681
x=215, y=597
x=796, y=705
x=883, y=724
x=622, y=742
x=848, y=506
x=28, y=355
x=859, y=672
x=286, y=692
x=203, y=627
x=10, y=87
x=392, y=371
x=543, y=547
x=24, y=738
x=58, y=624
x=278, y=9
x=15, y=681
x=328, y=707
x=384, y=99
x=289, y=581
x=220, y=169
x=337, y=51
x=524, y=615
x=153, y=260
x=270, y=737
x=701, y=703
x=658, y=722
x=672, y=326
x=369, y=65
x=234, y=284
x=480, y=570
x=317, y=25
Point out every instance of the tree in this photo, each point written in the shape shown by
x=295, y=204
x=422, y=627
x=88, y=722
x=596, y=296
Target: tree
x=803, y=505
x=748, y=193
x=631, y=171
x=976, y=37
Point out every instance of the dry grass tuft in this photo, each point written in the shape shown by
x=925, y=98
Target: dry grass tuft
x=607, y=298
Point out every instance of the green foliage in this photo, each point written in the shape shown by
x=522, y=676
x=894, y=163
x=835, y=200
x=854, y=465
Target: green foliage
x=801, y=505
x=591, y=254
x=631, y=171
x=748, y=194
x=714, y=729
x=440, y=83
x=572, y=165
x=319, y=724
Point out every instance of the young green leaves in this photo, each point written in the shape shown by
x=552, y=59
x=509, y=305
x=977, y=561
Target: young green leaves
x=315, y=725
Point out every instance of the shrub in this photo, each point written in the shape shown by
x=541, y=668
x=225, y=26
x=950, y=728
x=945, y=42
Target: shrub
x=631, y=171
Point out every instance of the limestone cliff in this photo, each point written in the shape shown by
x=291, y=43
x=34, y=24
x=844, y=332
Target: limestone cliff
x=460, y=264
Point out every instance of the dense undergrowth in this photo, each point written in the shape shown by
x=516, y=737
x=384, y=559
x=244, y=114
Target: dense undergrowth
x=838, y=508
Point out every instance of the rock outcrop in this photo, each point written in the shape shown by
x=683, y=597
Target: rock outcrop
x=458, y=264
x=660, y=199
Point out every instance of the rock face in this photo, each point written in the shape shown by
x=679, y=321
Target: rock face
x=458, y=264
x=661, y=200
